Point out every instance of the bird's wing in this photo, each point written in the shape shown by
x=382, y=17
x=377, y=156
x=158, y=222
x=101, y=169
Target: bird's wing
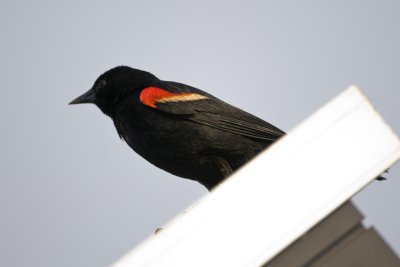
x=203, y=108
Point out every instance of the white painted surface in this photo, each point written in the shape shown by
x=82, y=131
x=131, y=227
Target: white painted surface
x=281, y=194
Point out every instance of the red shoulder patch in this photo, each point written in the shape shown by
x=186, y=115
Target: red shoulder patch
x=150, y=96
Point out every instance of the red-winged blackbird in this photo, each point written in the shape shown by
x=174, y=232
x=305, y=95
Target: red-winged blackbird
x=179, y=128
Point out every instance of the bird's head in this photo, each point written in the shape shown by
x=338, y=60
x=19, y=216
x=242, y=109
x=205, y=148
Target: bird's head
x=114, y=86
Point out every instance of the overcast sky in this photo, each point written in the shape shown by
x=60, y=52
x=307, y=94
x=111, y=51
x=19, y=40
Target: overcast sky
x=73, y=194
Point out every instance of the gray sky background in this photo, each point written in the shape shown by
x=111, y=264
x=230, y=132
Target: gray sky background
x=73, y=194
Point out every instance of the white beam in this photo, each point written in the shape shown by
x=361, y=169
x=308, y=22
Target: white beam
x=281, y=194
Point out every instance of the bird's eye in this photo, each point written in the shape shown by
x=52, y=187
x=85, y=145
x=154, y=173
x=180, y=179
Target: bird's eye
x=100, y=84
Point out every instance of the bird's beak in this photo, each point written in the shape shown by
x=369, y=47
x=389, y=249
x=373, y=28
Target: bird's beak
x=88, y=97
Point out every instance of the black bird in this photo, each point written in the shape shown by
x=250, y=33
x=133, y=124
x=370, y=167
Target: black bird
x=179, y=128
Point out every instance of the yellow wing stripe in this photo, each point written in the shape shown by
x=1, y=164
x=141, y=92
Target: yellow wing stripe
x=181, y=98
